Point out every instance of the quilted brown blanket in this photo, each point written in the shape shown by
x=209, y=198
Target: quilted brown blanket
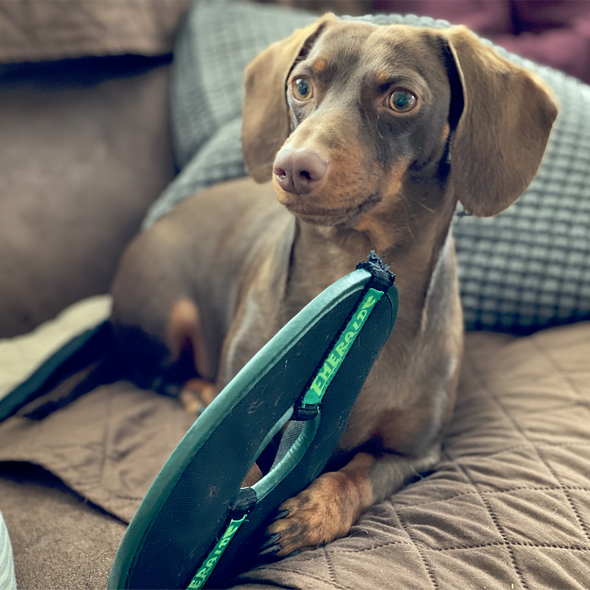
x=507, y=507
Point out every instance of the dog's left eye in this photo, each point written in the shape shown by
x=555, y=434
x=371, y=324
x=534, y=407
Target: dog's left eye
x=302, y=89
x=402, y=100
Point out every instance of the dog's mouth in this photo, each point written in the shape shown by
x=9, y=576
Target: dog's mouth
x=347, y=216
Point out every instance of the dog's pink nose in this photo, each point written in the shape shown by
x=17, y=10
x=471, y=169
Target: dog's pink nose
x=298, y=171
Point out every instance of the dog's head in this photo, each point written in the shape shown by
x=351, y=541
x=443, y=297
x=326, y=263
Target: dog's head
x=342, y=114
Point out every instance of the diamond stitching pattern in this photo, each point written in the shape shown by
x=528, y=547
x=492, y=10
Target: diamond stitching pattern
x=514, y=517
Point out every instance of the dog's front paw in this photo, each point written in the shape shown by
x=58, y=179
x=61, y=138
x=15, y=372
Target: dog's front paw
x=319, y=514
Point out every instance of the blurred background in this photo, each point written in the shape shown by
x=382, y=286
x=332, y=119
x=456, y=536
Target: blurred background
x=551, y=32
x=85, y=142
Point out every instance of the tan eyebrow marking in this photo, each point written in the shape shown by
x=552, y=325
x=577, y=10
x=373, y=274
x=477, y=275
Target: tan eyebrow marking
x=382, y=77
x=319, y=65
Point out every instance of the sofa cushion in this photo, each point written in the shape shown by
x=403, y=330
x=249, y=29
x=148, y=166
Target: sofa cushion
x=527, y=269
x=89, y=151
x=41, y=30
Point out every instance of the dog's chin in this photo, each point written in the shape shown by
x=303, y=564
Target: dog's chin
x=329, y=217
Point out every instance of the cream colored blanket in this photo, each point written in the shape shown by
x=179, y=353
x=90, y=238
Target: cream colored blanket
x=20, y=356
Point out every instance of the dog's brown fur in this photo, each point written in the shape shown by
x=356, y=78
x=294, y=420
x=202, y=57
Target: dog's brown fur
x=230, y=266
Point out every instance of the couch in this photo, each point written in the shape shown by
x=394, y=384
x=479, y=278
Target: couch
x=93, y=155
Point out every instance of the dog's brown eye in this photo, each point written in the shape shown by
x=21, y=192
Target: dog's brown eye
x=402, y=101
x=302, y=89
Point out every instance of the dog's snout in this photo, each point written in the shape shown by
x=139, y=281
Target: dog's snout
x=298, y=171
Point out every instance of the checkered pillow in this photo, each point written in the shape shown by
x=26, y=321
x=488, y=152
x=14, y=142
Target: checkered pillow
x=524, y=270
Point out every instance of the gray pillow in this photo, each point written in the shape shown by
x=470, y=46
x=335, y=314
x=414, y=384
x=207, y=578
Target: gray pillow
x=525, y=270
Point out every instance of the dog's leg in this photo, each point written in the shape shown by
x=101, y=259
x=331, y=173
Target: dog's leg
x=183, y=330
x=333, y=503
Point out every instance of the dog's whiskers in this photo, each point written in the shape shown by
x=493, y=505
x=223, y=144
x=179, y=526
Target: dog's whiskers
x=425, y=207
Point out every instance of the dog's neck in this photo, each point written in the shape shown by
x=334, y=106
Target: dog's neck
x=411, y=239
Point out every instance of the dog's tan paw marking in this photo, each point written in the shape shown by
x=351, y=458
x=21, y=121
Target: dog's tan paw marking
x=319, y=514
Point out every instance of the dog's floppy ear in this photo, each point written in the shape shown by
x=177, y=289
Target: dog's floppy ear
x=265, y=124
x=503, y=130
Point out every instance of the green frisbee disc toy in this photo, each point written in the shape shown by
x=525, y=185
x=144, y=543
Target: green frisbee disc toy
x=197, y=527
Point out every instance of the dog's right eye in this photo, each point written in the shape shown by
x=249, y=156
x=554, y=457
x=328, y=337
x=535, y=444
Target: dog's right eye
x=402, y=100
x=302, y=89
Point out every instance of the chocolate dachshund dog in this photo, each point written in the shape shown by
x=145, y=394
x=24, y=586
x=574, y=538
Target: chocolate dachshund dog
x=370, y=135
